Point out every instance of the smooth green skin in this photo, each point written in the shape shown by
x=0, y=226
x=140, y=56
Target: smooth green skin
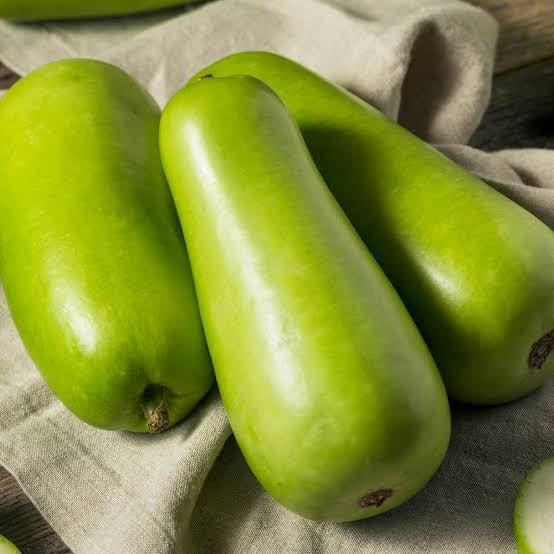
x=523, y=541
x=36, y=10
x=92, y=257
x=475, y=270
x=7, y=547
x=330, y=390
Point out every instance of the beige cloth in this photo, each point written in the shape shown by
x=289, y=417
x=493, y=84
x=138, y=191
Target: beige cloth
x=426, y=62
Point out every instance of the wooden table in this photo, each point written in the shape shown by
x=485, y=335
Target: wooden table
x=521, y=114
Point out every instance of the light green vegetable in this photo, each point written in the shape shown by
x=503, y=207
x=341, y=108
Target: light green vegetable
x=475, y=270
x=92, y=257
x=33, y=10
x=534, y=510
x=7, y=547
x=332, y=394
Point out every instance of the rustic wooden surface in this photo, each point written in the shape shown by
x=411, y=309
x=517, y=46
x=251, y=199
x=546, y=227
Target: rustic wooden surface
x=7, y=77
x=22, y=523
x=526, y=31
x=521, y=114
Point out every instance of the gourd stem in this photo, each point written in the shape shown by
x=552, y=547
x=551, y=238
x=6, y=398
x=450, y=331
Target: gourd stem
x=154, y=406
x=541, y=350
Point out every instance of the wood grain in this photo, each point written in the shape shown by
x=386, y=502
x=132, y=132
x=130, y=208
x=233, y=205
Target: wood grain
x=521, y=112
x=22, y=523
x=7, y=77
x=526, y=31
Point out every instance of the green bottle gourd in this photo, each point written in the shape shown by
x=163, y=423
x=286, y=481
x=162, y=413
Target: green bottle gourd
x=36, y=10
x=475, y=270
x=534, y=510
x=92, y=257
x=331, y=392
x=7, y=547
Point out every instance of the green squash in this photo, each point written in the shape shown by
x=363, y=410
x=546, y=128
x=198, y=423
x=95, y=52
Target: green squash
x=331, y=392
x=475, y=270
x=7, y=547
x=36, y=10
x=92, y=257
x=534, y=510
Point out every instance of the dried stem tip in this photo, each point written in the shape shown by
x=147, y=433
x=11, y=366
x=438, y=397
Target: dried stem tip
x=541, y=350
x=154, y=406
x=375, y=498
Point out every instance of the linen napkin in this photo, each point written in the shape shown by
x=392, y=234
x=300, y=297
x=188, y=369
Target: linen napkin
x=426, y=63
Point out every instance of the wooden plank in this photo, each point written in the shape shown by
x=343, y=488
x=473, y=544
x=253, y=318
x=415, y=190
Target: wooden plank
x=48, y=545
x=521, y=112
x=7, y=77
x=22, y=523
x=526, y=31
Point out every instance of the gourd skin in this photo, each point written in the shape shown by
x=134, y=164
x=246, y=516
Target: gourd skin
x=331, y=393
x=92, y=258
x=36, y=10
x=475, y=270
x=7, y=547
x=534, y=510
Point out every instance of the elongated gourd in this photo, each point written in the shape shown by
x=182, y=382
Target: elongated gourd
x=331, y=392
x=92, y=257
x=34, y=10
x=7, y=547
x=534, y=510
x=475, y=270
